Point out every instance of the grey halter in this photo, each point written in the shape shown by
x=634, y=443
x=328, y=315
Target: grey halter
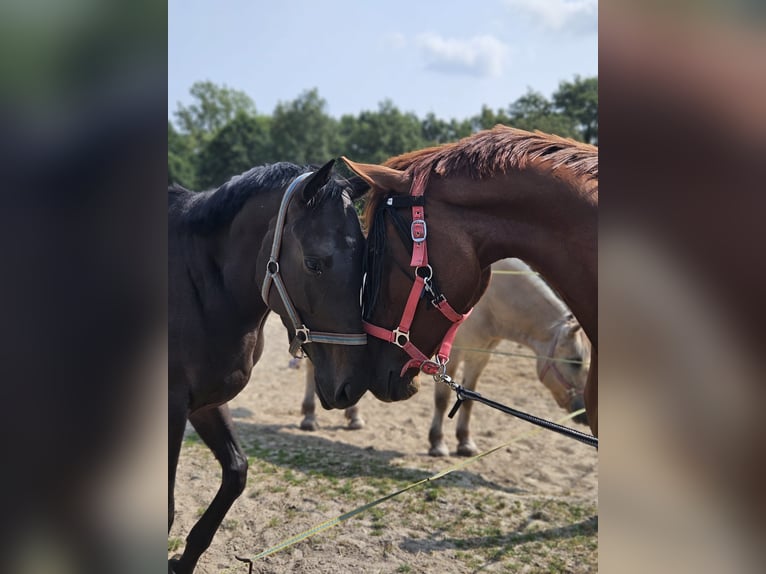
x=303, y=334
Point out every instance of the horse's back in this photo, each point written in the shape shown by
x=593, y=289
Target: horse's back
x=513, y=306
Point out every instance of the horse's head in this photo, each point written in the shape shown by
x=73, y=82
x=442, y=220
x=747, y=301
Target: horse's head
x=453, y=271
x=565, y=376
x=320, y=266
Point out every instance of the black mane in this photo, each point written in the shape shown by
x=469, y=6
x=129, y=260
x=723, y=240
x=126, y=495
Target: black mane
x=208, y=211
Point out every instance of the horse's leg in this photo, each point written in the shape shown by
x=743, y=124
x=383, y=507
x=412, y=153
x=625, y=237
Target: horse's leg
x=308, y=407
x=215, y=427
x=441, y=402
x=355, y=421
x=177, y=413
x=472, y=367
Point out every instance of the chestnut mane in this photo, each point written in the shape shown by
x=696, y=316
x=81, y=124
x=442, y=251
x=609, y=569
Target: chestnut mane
x=499, y=150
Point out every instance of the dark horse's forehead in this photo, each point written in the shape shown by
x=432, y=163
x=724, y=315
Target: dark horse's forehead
x=330, y=226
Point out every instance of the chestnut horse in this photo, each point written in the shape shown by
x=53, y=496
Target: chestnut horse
x=439, y=217
x=276, y=238
x=522, y=309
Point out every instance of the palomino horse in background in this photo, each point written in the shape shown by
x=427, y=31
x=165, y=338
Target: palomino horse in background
x=439, y=217
x=525, y=310
x=522, y=309
x=275, y=238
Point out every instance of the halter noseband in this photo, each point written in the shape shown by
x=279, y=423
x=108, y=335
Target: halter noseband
x=303, y=334
x=424, y=284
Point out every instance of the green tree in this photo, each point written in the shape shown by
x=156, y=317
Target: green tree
x=374, y=136
x=488, y=118
x=181, y=167
x=302, y=132
x=437, y=131
x=579, y=100
x=533, y=111
x=213, y=107
x=241, y=144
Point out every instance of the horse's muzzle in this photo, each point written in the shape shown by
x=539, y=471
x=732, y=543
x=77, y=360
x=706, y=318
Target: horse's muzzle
x=577, y=404
x=395, y=388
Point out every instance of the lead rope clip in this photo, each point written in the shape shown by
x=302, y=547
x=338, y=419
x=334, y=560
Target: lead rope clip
x=441, y=376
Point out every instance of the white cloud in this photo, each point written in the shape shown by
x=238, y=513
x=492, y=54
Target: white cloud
x=482, y=56
x=573, y=16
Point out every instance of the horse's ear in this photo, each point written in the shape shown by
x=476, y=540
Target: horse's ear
x=317, y=181
x=356, y=187
x=380, y=176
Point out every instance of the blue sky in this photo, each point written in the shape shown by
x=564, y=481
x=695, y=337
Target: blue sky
x=448, y=57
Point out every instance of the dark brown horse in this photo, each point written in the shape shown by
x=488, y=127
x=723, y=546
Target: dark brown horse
x=439, y=217
x=275, y=238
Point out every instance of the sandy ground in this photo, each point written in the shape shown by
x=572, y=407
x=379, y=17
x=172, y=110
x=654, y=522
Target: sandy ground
x=530, y=507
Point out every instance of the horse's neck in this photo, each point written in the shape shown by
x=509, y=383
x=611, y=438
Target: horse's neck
x=236, y=253
x=548, y=223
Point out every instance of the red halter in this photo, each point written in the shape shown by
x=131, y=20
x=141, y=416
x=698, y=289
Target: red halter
x=423, y=274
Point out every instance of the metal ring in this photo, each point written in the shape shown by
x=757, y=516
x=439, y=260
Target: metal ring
x=272, y=267
x=425, y=277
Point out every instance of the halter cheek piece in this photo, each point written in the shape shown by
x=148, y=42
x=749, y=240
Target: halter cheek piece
x=424, y=284
x=550, y=365
x=303, y=335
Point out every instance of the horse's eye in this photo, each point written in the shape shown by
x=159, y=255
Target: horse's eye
x=576, y=362
x=314, y=265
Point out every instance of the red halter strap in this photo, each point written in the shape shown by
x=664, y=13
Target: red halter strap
x=423, y=274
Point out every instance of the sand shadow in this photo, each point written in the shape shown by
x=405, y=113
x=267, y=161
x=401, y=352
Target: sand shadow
x=241, y=413
x=429, y=545
x=308, y=452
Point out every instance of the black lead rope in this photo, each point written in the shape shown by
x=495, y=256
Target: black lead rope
x=464, y=394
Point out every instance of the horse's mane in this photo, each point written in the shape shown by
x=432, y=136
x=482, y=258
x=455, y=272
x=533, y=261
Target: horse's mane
x=494, y=151
x=208, y=211
x=501, y=149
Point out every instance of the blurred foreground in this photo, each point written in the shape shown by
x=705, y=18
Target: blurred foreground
x=83, y=120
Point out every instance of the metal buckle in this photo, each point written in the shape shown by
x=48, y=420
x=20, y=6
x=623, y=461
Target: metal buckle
x=436, y=300
x=303, y=334
x=404, y=334
x=418, y=222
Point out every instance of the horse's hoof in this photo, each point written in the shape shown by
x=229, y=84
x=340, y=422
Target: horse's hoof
x=309, y=425
x=172, y=563
x=355, y=424
x=439, y=450
x=467, y=449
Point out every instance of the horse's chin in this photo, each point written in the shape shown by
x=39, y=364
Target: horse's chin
x=322, y=400
x=345, y=396
x=395, y=388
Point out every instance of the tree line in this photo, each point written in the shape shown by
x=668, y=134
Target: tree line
x=221, y=134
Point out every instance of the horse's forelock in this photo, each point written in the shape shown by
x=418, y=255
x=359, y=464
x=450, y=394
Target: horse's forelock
x=333, y=189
